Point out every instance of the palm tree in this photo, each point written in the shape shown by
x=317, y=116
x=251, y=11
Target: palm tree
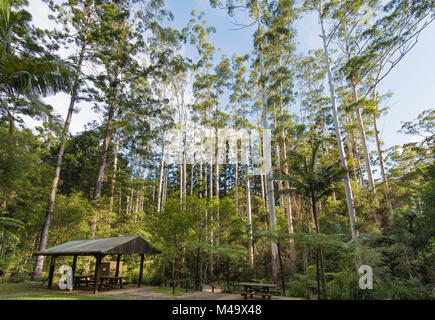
x=24, y=78
x=313, y=182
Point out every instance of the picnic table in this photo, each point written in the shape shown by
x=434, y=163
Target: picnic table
x=86, y=279
x=259, y=289
x=112, y=281
x=103, y=281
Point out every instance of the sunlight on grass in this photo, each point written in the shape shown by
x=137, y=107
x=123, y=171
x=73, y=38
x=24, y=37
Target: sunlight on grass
x=14, y=289
x=11, y=288
x=60, y=296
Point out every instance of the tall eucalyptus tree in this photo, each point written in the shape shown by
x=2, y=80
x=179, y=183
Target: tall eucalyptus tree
x=318, y=5
x=258, y=12
x=279, y=47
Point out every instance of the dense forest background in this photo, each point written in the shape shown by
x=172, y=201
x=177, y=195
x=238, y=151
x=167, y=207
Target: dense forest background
x=328, y=205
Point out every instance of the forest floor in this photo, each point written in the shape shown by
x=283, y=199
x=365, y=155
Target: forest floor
x=29, y=291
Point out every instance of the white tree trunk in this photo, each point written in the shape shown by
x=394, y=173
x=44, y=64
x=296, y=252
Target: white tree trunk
x=347, y=184
x=268, y=158
x=248, y=209
x=162, y=167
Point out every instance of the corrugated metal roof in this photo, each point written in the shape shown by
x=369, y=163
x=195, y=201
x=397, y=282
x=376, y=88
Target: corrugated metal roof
x=105, y=245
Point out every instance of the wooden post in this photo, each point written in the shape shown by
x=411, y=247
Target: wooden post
x=141, y=269
x=118, y=259
x=97, y=272
x=51, y=271
x=74, y=269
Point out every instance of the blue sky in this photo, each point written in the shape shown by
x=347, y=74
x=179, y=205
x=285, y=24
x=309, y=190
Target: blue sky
x=411, y=82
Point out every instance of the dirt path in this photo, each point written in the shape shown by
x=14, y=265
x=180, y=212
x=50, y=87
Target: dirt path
x=146, y=293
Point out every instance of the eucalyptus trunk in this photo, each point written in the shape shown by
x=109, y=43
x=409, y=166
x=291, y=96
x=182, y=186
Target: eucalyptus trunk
x=217, y=173
x=267, y=157
x=320, y=269
x=162, y=167
x=115, y=166
x=363, y=138
x=347, y=185
x=334, y=198
x=103, y=158
x=249, y=213
x=236, y=186
x=288, y=198
x=354, y=156
x=381, y=161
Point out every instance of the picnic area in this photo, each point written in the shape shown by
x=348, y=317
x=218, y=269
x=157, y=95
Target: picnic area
x=107, y=282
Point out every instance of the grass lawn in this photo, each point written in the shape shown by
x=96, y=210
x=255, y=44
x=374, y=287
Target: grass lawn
x=168, y=291
x=11, y=288
x=58, y=296
x=7, y=289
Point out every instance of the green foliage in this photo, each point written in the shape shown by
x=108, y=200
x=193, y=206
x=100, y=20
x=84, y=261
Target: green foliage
x=25, y=76
x=303, y=286
x=71, y=219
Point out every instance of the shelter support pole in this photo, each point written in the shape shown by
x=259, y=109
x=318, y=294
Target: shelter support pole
x=97, y=272
x=51, y=271
x=141, y=269
x=74, y=264
x=118, y=259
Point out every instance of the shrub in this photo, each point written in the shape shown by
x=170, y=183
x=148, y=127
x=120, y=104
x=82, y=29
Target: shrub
x=303, y=286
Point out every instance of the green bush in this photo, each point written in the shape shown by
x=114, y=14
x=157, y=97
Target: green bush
x=133, y=275
x=303, y=286
x=297, y=289
x=17, y=278
x=405, y=290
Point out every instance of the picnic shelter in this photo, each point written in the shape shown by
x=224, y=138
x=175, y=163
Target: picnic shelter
x=99, y=248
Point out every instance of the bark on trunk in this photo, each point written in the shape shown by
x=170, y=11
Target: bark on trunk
x=288, y=205
x=363, y=138
x=319, y=256
x=351, y=145
x=248, y=209
x=103, y=159
x=347, y=185
x=267, y=158
x=381, y=161
x=115, y=166
x=162, y=167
